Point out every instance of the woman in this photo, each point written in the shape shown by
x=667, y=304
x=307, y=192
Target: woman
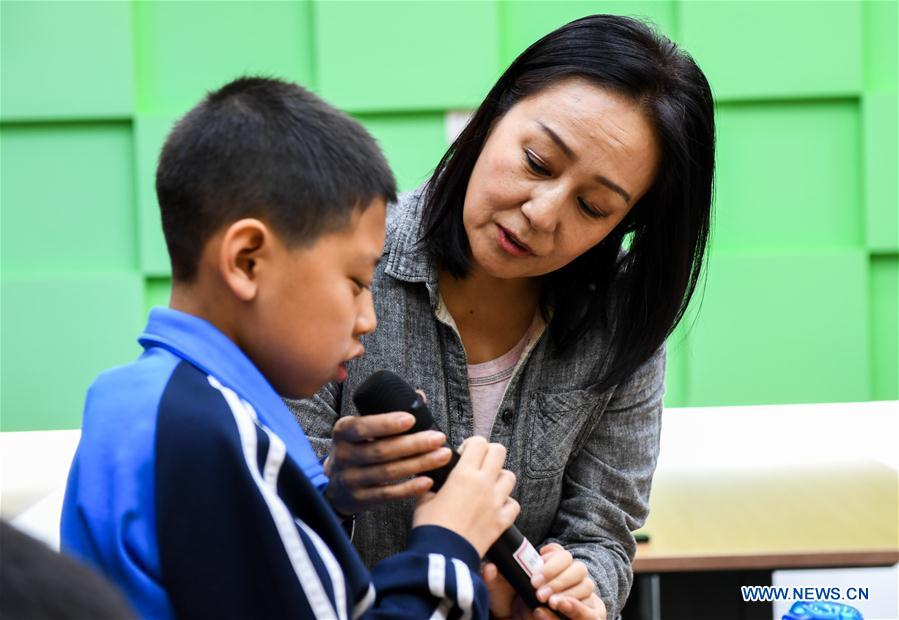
x=528, y=289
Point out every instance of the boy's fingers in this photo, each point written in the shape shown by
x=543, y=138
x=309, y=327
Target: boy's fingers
x=506, y=482
x=489, y=572
x=365, y=428
x=494, y=458
x=472, y=451
x=510, y=510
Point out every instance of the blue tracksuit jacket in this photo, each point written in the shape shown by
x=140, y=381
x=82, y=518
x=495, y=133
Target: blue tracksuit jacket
x=194, y=489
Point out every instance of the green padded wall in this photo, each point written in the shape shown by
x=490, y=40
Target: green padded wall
x=67, y=60
x=801, y=295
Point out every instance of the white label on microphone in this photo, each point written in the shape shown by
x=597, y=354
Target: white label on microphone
x=528, y=558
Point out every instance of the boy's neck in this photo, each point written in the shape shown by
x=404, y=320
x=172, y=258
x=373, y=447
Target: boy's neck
x=198, y=299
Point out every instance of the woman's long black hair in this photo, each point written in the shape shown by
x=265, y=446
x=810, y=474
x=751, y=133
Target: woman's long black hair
x=643, y=292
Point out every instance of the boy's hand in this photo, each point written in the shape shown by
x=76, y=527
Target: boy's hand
x=560, y=572
x=474, y=501
x=371, y=463
x=504, y=601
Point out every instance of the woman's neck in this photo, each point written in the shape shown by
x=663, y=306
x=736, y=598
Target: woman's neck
x=492, y=314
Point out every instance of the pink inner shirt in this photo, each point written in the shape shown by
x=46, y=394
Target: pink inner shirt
x=487, y=382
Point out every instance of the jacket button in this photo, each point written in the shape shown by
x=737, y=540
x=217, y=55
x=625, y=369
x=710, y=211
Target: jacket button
x=507, y=415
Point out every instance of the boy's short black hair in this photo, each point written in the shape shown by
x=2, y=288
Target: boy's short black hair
x=37, y=582
x=264, y=148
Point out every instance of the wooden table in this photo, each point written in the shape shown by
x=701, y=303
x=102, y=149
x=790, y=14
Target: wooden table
x=841, y=515
x=742, y=491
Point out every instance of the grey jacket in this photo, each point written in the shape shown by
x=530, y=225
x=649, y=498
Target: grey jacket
x=584, y=459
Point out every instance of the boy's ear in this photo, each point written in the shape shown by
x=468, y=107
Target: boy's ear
x=245, y=243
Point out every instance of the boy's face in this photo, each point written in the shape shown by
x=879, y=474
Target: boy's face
x=316, y=304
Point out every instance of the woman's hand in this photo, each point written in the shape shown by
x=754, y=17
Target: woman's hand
x=564, y=585
x=371, y=462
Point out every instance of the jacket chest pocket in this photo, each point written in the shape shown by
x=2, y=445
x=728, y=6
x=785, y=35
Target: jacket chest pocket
x=557, y=424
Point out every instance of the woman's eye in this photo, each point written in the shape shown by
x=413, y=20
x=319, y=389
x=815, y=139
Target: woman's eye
x=589, y=210
x=533, y=165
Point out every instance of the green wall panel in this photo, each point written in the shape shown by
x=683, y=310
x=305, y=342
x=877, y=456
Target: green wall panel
x=413, y=144
x=57, y=335
x=157, y=292
x=680, y=350
x=676, y=367
x=881, y=50
x=788, y=176
x=802, y=302
x=885, y=327
x=752, y=49
x=782, y=328
x=881, y=162
x=67, y=198
x=184, y=49
x=394, y=55
x=149, y=136
x=524, y=22
x=65, y=60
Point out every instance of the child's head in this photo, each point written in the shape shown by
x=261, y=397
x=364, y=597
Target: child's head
x=273, y=208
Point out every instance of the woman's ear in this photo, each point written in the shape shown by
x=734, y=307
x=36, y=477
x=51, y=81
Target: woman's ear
x=245, y=245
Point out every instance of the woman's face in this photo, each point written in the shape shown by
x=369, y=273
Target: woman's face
x=555, y=176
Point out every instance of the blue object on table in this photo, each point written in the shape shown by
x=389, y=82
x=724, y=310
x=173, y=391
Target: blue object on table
x=811, y=610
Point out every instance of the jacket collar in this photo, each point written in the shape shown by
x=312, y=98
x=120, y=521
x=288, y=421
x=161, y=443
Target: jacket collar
x=201, y=344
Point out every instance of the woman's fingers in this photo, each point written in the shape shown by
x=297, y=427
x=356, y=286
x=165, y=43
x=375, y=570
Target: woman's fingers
x=581, y=590
x=391, y=492
x=394, y=471
x=357, y=429
x=568, y=577
x=386, y=449
x=555, y=561
x=593, y=609
x=551, y=548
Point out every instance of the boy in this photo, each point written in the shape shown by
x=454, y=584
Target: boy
x=193, y=488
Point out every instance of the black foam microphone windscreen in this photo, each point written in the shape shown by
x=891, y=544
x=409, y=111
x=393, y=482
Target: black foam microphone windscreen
x=514, y=556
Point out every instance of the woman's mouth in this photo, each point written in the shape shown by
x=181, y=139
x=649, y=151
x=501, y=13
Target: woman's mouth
x=511, y=244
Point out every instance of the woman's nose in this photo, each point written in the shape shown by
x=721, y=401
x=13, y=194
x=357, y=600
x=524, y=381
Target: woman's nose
x=544, y=209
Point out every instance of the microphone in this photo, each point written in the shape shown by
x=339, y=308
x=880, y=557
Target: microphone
x=514, y=555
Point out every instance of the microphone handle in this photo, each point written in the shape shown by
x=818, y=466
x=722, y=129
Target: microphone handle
x=511, y=553
x=514, y=555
